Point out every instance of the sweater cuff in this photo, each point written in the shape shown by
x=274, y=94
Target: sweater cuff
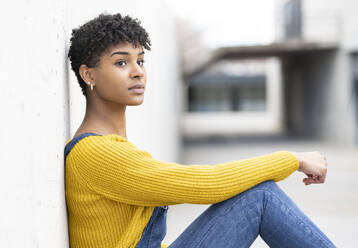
x=291, y=162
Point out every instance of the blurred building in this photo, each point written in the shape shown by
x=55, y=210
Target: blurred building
x=234, y=96
x=308, y=87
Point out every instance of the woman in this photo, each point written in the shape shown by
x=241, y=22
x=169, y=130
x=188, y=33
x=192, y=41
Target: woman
x=118, y=195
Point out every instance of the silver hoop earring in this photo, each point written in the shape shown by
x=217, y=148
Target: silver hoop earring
x=91, y=85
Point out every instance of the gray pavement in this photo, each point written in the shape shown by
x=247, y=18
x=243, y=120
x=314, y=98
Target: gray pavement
x=333, y=206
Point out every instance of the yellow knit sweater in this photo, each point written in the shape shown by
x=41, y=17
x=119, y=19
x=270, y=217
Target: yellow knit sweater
x=112, y=187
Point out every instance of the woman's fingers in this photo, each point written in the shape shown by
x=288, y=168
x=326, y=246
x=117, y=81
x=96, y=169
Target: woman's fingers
x=315, y=178
x=310, y=180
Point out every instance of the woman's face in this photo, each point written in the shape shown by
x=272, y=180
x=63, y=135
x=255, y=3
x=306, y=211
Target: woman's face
x=120, y=68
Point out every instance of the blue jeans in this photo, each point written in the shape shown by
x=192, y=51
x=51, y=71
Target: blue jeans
x=263, y=210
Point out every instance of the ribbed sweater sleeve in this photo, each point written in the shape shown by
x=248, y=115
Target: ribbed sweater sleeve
x=115, y=168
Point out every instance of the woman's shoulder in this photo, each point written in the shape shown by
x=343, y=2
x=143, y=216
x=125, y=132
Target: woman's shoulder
x=88, y=142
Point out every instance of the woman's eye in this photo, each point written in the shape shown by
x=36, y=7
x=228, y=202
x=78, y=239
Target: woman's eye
x=140, y=62
x=121, y=63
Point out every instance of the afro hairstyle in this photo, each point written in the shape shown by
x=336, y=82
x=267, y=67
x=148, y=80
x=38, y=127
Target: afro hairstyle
x=92, y=39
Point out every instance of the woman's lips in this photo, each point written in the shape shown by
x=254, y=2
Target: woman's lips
x=137, y=90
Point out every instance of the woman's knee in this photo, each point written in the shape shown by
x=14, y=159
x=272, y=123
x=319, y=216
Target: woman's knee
x=255, y=194
x=268, y=185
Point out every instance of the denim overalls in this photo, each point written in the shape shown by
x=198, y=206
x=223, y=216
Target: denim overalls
x=156, y=228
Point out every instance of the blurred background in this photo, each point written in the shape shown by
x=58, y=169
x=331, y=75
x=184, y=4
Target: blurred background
x=227, y=80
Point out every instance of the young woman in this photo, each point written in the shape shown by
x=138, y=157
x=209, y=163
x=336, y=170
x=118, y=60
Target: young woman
x=118, y=195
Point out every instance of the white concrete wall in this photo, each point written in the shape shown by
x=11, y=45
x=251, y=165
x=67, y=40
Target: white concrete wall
x=34, y=124
x=36, y=120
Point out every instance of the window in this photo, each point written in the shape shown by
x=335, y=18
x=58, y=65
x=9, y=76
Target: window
x=223, y=93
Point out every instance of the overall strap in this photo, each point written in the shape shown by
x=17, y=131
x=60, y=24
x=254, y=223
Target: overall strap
x=74, y=141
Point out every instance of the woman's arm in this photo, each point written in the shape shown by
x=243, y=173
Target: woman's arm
x=120, y=171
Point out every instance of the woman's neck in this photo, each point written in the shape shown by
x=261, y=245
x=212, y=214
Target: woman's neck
x=105, y=119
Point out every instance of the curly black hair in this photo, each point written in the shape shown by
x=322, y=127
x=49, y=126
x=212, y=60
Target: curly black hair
x=92, y=39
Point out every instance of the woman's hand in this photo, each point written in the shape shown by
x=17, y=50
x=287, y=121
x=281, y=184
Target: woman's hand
x=314, y=165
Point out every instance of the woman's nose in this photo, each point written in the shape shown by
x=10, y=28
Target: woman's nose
x=138, y=71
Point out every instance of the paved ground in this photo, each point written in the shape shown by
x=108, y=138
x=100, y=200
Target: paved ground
x=333, y=206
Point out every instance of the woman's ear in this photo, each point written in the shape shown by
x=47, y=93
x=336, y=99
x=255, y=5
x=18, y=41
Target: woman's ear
x=86, y=73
